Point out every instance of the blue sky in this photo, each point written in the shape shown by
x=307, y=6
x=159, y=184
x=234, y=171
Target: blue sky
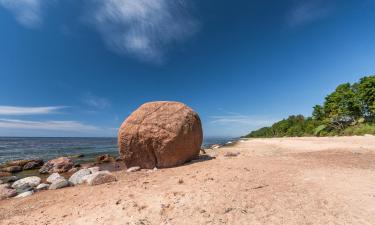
x=80, y=67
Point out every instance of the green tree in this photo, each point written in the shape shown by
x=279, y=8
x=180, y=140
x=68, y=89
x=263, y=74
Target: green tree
x=366, y=92
x=318, y=113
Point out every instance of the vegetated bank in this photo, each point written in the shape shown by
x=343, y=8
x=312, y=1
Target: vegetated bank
x=349, y=110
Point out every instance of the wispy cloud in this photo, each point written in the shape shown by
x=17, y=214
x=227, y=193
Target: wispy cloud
x=46, y=125
x=95, y=101
x=142, y=28
x=20, y=111
x=305, y=12
x=238, y=119
x=27, y=12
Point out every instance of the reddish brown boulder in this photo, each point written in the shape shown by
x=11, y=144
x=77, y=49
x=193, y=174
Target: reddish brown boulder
x=160, y=134
x=59, y=165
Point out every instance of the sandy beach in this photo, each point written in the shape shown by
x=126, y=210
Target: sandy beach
x=271, y=181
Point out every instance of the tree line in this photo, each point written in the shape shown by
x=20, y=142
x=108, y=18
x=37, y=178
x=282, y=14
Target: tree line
x=348, y=110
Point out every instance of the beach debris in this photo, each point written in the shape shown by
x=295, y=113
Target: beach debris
x=104, y=159
x=42, y=187
x=59, y=183
x=77, y=177
x=26, y=182
x=133, y=169
x=25, y=194
x=53, y=177
x=59, y=165
x=32, y=165
x=94, y=169
x=231, y=154
x=100, y=177
x=260, y=187
x=180, y=181
x=162, y=134
x=12, y=169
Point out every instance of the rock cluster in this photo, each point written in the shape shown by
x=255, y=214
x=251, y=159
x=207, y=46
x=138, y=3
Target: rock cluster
x=160, y=134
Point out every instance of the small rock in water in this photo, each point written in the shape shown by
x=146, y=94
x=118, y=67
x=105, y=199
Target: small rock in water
x=101, y=177
x=42, y=187
x=25, y=194
x=104, y=158
x=133, y=169
x=59, y=165
x=77, y=178
x=31, y=166
x=12, y=169
x=53, y=177
x=59, y=183
x=26, y=182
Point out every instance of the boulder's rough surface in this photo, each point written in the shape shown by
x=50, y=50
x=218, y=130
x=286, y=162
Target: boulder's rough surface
x=53, y=177
x=6, y=192
x=26, y=182
x=94, y=169
x=98, y=178
x=77, y=178
x=160, y=134
x=59, y=183
x=25, y=194
x=59, y=165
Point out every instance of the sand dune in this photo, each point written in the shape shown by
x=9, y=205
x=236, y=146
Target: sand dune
x=271, y=181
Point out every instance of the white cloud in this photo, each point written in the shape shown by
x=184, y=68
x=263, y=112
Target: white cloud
x=238, y=119
x=27, y=12
x=306, y=12
x=18, y=111
x=95, y=101
x=46, y=125
x=142, y=28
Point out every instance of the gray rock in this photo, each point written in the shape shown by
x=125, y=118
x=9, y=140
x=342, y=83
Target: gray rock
x=76, y=178
x=6, y=192
x=59, y=183
x=31, y=165
x=23, y=189
x=133, y=169
x=25, y=194
x=53, y=177
x=9, y=179
x=1, y=182
x=101, y=177
x=94, y=169
x=26, y=182
x=42, y=187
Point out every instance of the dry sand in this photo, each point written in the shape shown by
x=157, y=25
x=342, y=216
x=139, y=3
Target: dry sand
x=272, y=181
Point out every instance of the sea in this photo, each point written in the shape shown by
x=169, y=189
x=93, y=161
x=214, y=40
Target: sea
x=12, y=148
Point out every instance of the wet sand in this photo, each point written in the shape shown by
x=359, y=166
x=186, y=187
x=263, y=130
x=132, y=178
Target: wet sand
x=271, y=181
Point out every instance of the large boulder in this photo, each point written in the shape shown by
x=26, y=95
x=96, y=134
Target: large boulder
x=77, y=177
x=26, y=182
x=98, y=178
x=59, y=165
x=160, y=134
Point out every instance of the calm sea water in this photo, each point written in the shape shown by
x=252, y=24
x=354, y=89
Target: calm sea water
x=12, y=148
